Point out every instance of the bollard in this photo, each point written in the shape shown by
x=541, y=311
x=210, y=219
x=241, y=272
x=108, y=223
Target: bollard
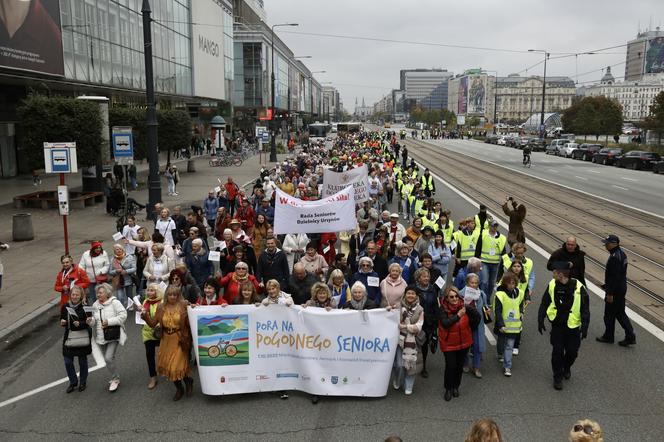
x=191, y=167
x=22, y=227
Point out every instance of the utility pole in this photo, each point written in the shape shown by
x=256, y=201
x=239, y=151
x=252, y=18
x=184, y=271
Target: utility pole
x=154, y=195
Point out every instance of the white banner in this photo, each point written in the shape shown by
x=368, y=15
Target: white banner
x=245, y=349
x=333, y=182
x=330, y=214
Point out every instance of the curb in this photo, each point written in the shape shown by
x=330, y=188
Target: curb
x=37, y=318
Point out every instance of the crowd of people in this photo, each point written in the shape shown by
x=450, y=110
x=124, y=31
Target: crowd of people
x=449, y=278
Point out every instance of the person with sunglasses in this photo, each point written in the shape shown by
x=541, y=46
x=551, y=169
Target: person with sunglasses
x=455, y=337
x=586, y=430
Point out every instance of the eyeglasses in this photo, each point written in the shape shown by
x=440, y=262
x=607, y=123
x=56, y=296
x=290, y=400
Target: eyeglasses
x=452, y=297
x=365, y=265
x=588, y=429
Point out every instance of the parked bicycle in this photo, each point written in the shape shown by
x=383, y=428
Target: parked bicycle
x=225, y=160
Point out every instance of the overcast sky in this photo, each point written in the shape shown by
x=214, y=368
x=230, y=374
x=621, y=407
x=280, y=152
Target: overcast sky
x=370, y=69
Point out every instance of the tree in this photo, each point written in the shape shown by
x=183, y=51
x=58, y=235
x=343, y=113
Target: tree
x=58, y=119
x=655, y=120
x=593, y=116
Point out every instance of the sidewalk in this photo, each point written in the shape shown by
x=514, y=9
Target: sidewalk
x=30, y=267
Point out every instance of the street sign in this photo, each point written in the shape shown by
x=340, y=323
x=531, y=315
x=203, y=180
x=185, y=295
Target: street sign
x=461, y=120
x=123, y=145
x=263, y=134
x=60, y=158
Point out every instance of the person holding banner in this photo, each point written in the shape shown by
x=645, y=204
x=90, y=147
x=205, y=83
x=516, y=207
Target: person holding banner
x=232, y=281
x=248, y=294
x=369, y=278
x=275, y=295
x=408, y=359
x=321, y=297
x=173, y=362
x=210, y=294
x=359, y=299
x=339, y=288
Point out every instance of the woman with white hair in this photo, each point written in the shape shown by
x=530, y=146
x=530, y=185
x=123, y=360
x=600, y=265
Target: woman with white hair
x=121, y=271
x=369, y=278
x=359, y=299
x=108, y=323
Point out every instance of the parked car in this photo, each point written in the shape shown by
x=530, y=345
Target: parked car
x=607, y=155
x=556, y=146
x=586, y=151
x=658, y=167
x=637, y=160
x=567, y=150
x=491, y=139
x=502, y=141
x=537, y=144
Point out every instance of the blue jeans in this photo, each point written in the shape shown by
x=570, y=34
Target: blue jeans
x=124, y=293
x=399, y=372
x=505, y=347
x=71, y=370
x=488, y=276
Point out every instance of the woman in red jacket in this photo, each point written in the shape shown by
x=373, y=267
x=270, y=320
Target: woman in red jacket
x=69, y=276
x=232, y=282
x=455, y=336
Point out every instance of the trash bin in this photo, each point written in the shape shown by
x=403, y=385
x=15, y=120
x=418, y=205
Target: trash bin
x=22, y=227
x=191, y=167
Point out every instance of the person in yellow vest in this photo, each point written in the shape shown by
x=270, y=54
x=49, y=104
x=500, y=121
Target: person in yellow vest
x=406, y=191
x=518, y=253
x=445, y=224
x=466, y=243
x=509, y=304
x=427, y=183
x=493, y=248
x=566, y=305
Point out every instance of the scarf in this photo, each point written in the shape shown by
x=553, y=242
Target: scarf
x=326, y=303
x=237, y=278
x=410, y=314
x=358, y=305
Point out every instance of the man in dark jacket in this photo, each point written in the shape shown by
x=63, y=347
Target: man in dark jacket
x=379, y=263
x=272, y=264
x=566, y=305
x=299, y=284
x=615, y=289
x=571, y=253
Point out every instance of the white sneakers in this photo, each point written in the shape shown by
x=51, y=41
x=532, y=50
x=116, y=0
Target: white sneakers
x=507, y=372
x=395, y=384
x=408, y=392
x=114, y=384
x=515, y=351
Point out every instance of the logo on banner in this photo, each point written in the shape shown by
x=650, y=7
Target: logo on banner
x=334, y=380
x=223, y=340
x=345, y=178
x=222, y=379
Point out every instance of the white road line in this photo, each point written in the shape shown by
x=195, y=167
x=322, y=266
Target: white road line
x=489, y=336
x=644, y=323
x=619, y=187
x=628, y=179
x=552, y=170
x=594, y=171
x=581, y=178
x=96, y=354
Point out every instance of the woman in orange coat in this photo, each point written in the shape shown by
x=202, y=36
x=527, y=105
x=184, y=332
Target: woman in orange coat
x=69, y=276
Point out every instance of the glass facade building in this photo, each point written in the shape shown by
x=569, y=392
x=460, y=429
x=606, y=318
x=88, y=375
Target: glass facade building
x=103, y=39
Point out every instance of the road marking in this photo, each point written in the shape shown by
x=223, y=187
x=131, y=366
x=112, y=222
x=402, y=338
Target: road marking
x=489, y=335
x=594, y=171
x=96, y=354
x=552, y=170
x=559, y=184
x=581, y=178
x=619, y=187
x=640, y=320
x=628, y=179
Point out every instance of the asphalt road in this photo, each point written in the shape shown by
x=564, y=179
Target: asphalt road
x=620, y=388
x=640, y=189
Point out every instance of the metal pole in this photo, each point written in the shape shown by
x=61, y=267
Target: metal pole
x=273, y=144
x=154, y=195
x=546, y=55
x=495, y=102
x=64, y=220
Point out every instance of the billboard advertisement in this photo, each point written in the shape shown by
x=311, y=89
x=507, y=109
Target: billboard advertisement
x=476, y=95
x=463, y=96
x=207, y=41
x=655, y=56
x=31, y=37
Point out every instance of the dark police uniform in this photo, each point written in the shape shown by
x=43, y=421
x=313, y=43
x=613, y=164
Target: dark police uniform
x=567, y=308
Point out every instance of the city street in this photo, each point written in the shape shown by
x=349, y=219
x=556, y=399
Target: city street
x=616, y=386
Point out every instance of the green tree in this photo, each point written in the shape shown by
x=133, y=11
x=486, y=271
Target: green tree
x=655, y=120
x=174, y=130
x=58, y=119
x=593, y=116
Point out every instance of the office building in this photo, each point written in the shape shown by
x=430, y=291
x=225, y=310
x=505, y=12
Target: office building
x=519, y=97
x=427, y=87
x=645, y=55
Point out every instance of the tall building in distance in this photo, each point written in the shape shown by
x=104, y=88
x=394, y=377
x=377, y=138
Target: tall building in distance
x=426, y=87
x=645, y=55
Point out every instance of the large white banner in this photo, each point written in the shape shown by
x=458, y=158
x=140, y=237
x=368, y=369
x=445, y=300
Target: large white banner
x=207, y=49
x=245, y=349
x=329, y=214
x=358, y=177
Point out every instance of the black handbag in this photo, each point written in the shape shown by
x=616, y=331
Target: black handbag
x=112, y=332
x=486, y=314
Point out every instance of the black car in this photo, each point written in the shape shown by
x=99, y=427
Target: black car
x=637, y=160
x=607, y=155
x=586, y=151
x=537, y=144
x=658, y=167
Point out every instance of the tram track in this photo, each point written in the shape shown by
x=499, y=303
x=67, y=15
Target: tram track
x=556, y=212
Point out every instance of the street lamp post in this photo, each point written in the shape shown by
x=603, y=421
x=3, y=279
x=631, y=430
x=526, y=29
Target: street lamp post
x=273, y=144
x=154, y=193
x=546, y=55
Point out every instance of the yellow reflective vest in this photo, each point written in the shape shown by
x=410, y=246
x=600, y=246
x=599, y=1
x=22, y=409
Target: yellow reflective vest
x=527, y=265
x=427, y=183
x=511, y=311
x=574, y=318
x=466, y=244
x=492, y=247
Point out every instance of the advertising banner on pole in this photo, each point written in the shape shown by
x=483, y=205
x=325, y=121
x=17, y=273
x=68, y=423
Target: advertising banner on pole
x=207, y=49
x=245, y=349
x=333, y=182
x=330, y=214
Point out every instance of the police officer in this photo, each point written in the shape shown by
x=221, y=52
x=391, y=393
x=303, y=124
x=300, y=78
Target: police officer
x=565, y=303
x=615, y=289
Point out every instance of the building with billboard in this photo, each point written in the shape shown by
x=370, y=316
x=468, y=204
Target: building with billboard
x=471, y=95
x=645, y=55
x=427, y=87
